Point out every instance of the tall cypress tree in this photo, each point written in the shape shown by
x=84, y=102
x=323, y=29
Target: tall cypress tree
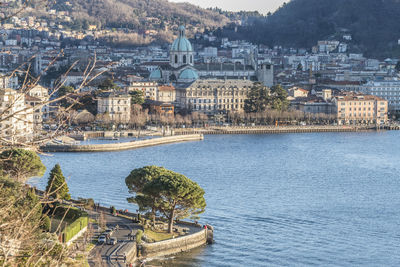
x=57, y=185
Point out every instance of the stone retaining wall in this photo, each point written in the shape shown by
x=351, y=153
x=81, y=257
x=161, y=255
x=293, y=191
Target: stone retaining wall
x=172, y=246
x=272, y=130
x=122, y=146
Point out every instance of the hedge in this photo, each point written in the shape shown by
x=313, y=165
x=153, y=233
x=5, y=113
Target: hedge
x=72, y=229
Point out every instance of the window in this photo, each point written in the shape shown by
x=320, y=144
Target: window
x=176, y=59
x=191, y=59
x=184, y=59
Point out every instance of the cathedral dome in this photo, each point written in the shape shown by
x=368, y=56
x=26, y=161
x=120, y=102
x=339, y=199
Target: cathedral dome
x=155, y=74
x=189, y=75
x=181, y=44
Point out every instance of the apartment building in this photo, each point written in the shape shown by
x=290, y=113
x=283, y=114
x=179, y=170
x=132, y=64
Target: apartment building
x=353, y=108
x=149, y=89
x=16, y=118
x=117, y=106
x=166, y=93
x=386, y=89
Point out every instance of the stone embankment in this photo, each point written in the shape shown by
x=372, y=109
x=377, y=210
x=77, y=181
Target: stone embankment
x=122, y=145
x=276, y=130
x=176, y=245
x=201, y=236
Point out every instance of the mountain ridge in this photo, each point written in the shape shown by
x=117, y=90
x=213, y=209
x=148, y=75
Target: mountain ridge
x=373, y=25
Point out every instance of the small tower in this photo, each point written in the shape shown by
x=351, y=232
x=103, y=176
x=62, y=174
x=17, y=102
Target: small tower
x=265, y=74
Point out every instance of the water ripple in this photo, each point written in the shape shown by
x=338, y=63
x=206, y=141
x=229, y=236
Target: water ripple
x=274, y=200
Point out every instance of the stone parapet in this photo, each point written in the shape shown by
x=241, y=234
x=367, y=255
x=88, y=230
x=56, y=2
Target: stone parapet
x=123, y=145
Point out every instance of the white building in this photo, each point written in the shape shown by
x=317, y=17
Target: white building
x=16, y=118
x=8, y=82
x=149, y=89
x=389, y=90
x=38, y=97
x=116, y=106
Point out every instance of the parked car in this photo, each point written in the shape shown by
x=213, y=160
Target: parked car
x=102, y=239
x=112, y=241
x=108, y=232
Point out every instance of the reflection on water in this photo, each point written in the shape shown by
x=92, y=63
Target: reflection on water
x=325, y=199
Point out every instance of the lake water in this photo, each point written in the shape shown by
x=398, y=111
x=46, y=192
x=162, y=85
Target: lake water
x=325, y=199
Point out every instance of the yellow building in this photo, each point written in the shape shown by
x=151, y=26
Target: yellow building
x=352, y=108
x=166, y=93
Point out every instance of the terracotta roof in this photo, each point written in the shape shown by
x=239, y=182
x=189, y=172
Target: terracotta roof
x=357, y=97
x=166, y=88
x=32, y=99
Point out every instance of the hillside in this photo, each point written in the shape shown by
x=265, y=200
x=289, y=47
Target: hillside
x=373, y=24
x=158, y=19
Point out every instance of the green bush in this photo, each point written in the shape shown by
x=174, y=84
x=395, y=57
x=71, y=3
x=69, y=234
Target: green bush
x=139, y=235
x=72, y=214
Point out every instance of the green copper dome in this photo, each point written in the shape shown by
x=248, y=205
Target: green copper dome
x=181, y=44
x=155, y=74
x=188, y=74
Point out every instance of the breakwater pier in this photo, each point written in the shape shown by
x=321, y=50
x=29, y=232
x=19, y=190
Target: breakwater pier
x=121, y=145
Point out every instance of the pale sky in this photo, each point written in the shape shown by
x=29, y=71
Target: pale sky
x=263, y=6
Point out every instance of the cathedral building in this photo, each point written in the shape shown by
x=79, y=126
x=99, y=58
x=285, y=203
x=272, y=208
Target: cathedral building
x=208, y=87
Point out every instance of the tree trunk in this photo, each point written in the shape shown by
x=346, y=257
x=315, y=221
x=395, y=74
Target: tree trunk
x=153, y=213
x=171, y=221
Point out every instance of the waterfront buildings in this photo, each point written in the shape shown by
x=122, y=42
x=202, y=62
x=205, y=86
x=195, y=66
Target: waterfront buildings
x=212, y=96
x=115, y=105
x=346, y=107
x=16, y=118
x=353, y=108
x=386, y=89
x=208, y=87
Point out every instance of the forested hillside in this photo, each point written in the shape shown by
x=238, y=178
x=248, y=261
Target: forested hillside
x=373, y=24
x=144, y=19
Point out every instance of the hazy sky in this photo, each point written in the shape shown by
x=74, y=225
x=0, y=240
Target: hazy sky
x=263, y=6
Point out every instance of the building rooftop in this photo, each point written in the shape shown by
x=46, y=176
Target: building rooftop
x=351, y=96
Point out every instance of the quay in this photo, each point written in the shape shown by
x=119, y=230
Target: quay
x=121, y=145
x=282, y=129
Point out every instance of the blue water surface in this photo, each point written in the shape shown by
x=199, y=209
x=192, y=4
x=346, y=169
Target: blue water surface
x=320, y=199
